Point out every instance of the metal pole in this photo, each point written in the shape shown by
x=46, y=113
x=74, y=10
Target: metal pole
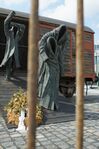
x=32, y=73
x=98, y=79
x=79, y=76
x=95, y=62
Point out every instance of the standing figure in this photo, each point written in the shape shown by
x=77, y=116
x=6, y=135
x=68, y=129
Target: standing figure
x=13, y=32
x=50, y=56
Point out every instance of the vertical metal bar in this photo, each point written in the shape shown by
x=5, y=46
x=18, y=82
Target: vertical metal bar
x=71, y=50
x=79, y=76
x=93, y=59
x=32, y=73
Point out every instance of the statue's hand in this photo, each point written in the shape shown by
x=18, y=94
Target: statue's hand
x=13, y=13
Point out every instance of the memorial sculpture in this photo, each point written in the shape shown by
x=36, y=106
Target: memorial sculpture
x=51, y=47
x=13, y=32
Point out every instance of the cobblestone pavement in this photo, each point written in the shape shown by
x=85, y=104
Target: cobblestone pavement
x=60, y=135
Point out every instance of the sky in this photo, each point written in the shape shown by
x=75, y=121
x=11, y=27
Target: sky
x=62, y=10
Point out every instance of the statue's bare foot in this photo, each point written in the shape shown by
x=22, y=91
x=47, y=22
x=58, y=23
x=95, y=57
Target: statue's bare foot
x=7, y=78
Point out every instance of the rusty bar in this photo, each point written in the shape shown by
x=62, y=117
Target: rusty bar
x=32, y=73
x=79, y=76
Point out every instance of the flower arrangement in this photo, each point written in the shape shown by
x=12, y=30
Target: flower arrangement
x=17, y=103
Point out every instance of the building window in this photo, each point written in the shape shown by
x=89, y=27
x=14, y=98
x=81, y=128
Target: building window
x=97, y=47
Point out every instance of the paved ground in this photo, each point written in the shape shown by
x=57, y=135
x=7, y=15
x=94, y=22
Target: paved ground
x=59, y=135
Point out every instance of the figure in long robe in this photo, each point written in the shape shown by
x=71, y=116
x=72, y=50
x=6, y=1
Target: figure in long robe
x=50, y=66
x=13, y=32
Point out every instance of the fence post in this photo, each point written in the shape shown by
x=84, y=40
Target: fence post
x=32, y=73
x=79, y=76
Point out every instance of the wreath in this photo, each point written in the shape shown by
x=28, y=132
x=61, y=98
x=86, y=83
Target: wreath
x=17, y=103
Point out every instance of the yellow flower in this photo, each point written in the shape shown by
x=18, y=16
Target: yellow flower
x=16, y=104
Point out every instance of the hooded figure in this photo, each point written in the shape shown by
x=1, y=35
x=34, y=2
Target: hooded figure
x=50, y=66
x=13, y=32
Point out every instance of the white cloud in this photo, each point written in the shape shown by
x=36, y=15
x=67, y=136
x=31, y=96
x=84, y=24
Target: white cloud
x=91, y=8
x=66, y=11
x=97, y=26
x=43, y=4
x=11, y=2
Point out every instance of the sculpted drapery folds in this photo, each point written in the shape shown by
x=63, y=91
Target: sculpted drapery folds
x=50, y=65
x=13, y=32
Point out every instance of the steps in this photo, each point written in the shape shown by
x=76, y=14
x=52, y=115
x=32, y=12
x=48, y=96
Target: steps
x=8, y=88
